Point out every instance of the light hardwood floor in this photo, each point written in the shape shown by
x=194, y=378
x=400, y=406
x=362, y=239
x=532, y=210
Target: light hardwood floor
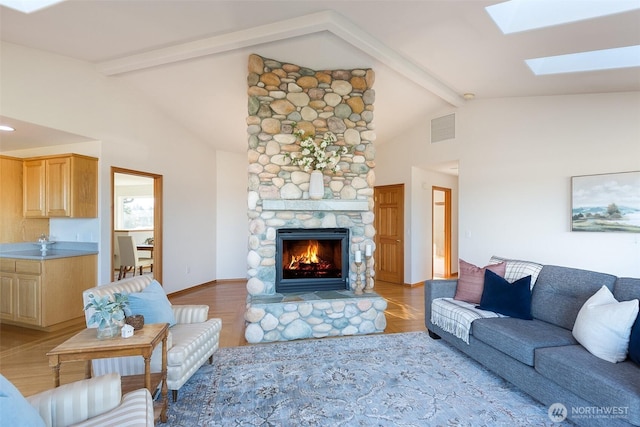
x=23, y=351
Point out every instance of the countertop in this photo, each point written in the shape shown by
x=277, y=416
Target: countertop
x=51, y=254
x=32, y=251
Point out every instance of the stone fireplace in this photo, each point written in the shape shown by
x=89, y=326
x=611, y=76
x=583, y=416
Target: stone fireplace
x=318, y=298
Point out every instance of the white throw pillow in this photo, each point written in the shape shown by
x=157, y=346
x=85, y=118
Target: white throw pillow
x=603, y=325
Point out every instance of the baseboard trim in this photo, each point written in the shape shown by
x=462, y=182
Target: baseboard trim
x=71, y=323
x=207, y=284
x=243, y=281
x=191, y=289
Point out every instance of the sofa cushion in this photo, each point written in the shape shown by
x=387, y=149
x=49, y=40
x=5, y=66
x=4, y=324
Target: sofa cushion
x=519, y=338
x=560, y=293
x=517, y=269
x=510, y=299
x=471, y=281
x=606, y=385
x=603, y=325
x=626, y=288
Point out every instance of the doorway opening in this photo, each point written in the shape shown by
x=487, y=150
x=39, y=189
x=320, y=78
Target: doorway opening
x=136, y=210
x=441, y=232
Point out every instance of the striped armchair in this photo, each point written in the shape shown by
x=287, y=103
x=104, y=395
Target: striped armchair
x=192, y=340
x=90, y=403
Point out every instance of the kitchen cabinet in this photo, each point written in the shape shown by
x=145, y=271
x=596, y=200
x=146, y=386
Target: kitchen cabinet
x=20, y=291
x=8, y=281
x=14, y=227
x=42, y=294
x=60, y=186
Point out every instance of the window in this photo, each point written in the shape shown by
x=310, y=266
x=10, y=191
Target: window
x=134, y=213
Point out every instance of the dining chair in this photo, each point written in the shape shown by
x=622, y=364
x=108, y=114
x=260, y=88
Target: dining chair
x=129, y=259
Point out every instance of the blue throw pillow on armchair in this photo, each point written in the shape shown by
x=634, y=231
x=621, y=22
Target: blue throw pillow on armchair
x=510, y=299
x=634, y=341
x=153, y=304
x=15, y=410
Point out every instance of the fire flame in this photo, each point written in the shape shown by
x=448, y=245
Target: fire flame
x=308, y=257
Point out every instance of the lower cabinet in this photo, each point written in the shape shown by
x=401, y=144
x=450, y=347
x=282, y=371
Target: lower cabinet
x=7, y=292
x=28, y=300
x=44, y=293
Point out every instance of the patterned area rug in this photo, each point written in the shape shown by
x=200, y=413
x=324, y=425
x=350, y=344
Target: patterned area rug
x=400, y=380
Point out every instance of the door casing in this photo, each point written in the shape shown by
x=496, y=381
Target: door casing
x=445, y=226
x=157, y=217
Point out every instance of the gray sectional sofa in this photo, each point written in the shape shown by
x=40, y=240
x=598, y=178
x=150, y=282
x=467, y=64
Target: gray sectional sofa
x=542, y=358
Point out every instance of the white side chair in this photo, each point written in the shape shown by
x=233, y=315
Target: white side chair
x=192, y=340
x=116, y=255
x=129, y=258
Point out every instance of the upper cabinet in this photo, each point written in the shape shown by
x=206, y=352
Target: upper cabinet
x=60, y=186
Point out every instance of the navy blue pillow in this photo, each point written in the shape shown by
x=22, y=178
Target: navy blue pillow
x=634, y=341
x=510, y=299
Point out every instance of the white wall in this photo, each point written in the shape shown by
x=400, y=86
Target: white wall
x=517, y=156
x=69, y=95
x=232, y=222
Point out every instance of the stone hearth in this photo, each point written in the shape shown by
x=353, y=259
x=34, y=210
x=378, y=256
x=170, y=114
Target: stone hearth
x=314, y=315
x=338, y=101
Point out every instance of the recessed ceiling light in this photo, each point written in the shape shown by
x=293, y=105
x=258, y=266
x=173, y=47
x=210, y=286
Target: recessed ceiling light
x=6, y=128
x=28, y=6
x=606, y=59
x=521, y=15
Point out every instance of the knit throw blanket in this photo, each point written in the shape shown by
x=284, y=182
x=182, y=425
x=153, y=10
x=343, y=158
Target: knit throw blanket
x=456, y=316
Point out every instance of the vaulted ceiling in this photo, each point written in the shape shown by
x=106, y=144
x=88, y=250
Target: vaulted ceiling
x=190, y=57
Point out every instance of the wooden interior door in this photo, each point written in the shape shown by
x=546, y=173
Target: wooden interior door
x=389, y=222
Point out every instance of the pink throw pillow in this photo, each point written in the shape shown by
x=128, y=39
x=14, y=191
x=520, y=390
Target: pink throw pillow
x=471, y=280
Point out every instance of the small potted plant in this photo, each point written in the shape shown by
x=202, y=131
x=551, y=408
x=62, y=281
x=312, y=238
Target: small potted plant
x=108, y=313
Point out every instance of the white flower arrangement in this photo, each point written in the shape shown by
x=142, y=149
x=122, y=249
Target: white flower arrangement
x=314, y=155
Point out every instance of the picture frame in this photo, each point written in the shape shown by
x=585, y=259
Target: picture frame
x=606, y=202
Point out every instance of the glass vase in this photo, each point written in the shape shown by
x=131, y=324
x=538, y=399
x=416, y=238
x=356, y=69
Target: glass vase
x=108, y=330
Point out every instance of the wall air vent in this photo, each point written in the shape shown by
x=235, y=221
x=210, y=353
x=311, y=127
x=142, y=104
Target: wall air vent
x=443, y=128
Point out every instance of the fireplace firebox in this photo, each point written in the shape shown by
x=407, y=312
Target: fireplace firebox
x=312, y=259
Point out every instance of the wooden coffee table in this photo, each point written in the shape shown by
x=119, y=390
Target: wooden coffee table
x=85, y=346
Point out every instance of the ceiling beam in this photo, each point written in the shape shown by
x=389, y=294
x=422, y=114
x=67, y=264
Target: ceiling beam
x=309, y=24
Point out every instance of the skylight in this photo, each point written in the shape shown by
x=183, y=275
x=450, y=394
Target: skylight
x=28, y=6
x=606, y=59
x=521, y=15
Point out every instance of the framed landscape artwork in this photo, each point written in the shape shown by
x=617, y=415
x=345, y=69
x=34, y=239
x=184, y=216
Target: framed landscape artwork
x=606, y=203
